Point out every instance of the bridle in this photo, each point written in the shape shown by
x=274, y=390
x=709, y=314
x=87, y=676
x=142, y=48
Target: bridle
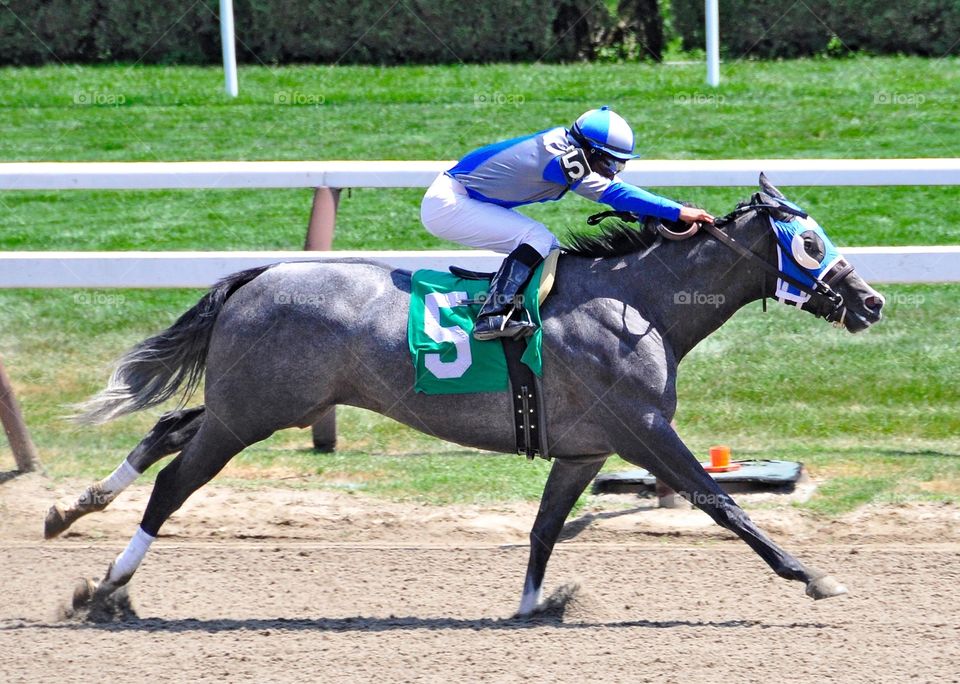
x=825, y=302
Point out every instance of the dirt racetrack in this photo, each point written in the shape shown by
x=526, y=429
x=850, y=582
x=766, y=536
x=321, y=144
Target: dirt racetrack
x=280, y=585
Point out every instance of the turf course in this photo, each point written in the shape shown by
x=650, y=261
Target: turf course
x=876, y=414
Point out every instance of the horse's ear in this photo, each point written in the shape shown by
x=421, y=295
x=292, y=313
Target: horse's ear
x=769, y=188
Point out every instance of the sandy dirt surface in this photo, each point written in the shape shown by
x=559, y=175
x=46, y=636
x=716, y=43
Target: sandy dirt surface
x=284, y=585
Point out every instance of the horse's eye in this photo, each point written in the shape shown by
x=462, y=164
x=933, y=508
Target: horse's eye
x=813, y=245
x=808, y=249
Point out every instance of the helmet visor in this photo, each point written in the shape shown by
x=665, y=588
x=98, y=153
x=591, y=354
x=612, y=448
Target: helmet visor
x=619, y=154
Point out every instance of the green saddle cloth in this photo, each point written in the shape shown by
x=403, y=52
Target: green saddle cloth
x=440, y=332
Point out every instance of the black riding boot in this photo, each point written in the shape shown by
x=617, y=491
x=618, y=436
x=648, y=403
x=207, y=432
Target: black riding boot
x=496, y=318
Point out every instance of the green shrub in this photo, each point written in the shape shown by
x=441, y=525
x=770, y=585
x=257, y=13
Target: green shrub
x=922, y=27
x=641, y=32
x=39, y=31
x=754, y=28
x=773, y=28
x=580, y=29
x=158, y=32
x=282, y=31
x=444, y=31
x=366, y=32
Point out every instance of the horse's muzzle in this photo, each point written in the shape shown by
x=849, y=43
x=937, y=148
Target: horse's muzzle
x=865, y=305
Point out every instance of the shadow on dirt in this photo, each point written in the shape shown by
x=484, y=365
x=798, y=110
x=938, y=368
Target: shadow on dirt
x=563, y=609
x=387, y=624
x=578, y=525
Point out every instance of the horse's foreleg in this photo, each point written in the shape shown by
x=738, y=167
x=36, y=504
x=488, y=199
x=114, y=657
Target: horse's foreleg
x=568, y=478
x=665, y=455
x=200, y=461
x=168, y=436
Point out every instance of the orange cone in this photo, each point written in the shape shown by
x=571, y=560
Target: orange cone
x=720, y=460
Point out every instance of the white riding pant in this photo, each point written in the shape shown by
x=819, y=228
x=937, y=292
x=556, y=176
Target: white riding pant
x=448, y=212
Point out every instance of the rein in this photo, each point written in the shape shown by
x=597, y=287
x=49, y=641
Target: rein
x=826, y=302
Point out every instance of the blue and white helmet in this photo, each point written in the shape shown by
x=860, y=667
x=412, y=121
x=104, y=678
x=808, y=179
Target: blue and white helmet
x=605, y=130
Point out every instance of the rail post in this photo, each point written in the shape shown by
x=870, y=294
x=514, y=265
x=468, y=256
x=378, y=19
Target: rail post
x=666, y=497
x=323, y=219
x=24, y=452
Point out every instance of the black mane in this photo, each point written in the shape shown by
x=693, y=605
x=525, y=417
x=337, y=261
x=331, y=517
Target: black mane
x=616, y=238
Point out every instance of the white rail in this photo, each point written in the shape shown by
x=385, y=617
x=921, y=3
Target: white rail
x=416, y=174
x=201, y=269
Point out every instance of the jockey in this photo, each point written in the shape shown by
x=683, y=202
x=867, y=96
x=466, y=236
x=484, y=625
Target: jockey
x=472, y=203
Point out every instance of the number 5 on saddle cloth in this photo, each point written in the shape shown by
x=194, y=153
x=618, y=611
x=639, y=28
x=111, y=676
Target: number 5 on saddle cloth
x=448, y=360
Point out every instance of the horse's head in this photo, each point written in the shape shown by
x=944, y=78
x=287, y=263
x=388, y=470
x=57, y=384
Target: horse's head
x=812, y=273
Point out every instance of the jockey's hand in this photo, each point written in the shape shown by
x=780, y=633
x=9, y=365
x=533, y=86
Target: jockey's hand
x=694, y=215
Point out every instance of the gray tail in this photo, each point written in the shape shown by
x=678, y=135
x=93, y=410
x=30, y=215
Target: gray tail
x=155, y=369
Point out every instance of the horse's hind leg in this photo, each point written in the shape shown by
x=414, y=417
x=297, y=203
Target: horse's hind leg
x=568, y=478
x=168, y=436
x=668, y=458
x=204, y=457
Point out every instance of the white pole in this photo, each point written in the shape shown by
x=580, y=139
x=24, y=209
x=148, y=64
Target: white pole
x=713, y=42
x=229, y=48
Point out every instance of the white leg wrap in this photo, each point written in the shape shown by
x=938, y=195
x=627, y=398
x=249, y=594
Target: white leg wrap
x=529, y=601
x=118, y=480
x=127, y=562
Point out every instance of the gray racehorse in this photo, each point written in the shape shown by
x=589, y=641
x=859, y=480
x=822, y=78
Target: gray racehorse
x=282, y=344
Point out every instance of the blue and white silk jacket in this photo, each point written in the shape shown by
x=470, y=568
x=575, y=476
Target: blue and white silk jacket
x=541, y=168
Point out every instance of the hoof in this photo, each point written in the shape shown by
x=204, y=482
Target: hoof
x=99, y=603
x=531, y=603
x=55, y=522
x=83, y=593
x=554, y=607
x=529, y=611
x=823, y=587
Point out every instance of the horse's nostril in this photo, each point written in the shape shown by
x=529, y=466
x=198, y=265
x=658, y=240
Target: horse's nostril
x=873, y=302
